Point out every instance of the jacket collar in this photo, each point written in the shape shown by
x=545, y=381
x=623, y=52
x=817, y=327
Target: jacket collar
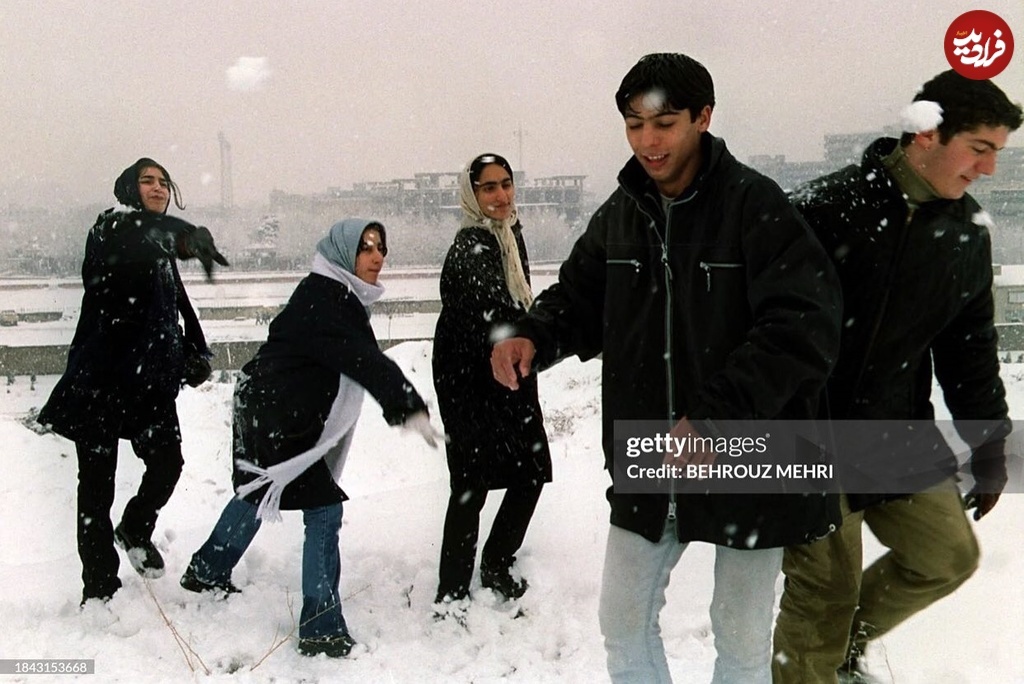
x=635, y=182
x=880, y=179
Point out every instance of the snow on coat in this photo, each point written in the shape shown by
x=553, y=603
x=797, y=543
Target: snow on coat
x=497, y=436
x=285, y=395
x=725, y=309
x=125, y=363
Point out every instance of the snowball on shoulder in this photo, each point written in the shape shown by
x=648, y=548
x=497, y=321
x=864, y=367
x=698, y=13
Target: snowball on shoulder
x=920, y=116
x=983, y=218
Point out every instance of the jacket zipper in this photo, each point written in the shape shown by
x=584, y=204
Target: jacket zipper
x=669, y=369
x=708, y=265
x=669, y=365
x=635, y=263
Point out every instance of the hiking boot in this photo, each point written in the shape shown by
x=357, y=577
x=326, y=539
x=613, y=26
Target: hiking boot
x=141, y=553
x=190, y=582
x=500, y=580
x=332, y=647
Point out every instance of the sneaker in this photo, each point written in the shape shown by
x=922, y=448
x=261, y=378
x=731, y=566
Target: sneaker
x=190, y=582
x=500, y=580
x=143, y=556
x=332, y=647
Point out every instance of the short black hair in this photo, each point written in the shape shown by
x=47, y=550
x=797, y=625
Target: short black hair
x=967, y=104
x=685, y=82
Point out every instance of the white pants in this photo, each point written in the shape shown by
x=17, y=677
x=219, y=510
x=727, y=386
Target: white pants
x=636, y=574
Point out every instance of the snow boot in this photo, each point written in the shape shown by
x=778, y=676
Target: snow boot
x=190, y=582
x=142, y=554
x=332, y=647
x=499, y=579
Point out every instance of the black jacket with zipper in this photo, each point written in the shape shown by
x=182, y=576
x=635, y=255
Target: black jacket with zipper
x=286, y=392
x=917, y=291
x=725, y=309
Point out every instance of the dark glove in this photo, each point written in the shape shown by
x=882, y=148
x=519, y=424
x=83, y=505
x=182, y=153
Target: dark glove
x=988, y=466
x=198, y=244
x=197, y=369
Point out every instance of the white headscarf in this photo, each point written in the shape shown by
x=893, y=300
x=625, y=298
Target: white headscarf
x=473, y=217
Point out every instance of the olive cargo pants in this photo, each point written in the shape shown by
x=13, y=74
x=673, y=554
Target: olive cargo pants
x=831, y=604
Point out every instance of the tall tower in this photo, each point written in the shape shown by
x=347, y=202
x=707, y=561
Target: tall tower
x=227, y=200
x=519, y=133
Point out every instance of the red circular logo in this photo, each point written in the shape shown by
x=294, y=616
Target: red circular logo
x=979, y=44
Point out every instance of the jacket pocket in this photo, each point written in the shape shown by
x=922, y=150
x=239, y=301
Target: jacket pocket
x=717, y=267
x=635, y=265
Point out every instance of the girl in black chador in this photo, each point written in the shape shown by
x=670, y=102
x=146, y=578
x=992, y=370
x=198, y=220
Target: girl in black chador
x=127, y=361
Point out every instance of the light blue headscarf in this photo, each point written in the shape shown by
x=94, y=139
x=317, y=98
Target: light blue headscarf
x=341, y=244
x=336, y=254
x=335, y=258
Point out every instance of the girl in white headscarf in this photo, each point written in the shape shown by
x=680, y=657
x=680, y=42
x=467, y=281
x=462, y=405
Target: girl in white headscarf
x=496, y=437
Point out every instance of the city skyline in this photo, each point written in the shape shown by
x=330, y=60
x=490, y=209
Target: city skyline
x=324, y=95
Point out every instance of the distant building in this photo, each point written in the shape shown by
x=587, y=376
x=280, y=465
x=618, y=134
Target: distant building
x=1001, y=195
x=431, y=194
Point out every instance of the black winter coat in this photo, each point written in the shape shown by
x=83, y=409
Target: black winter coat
x=286, y=391
x=917, y=290
x=727, y=308
x=125, y=363
x=497, y=437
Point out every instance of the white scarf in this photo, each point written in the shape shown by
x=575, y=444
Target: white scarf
x=473, y=217
x=336, y=437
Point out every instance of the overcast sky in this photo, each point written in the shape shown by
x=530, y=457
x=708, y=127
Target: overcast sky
x=319, y=94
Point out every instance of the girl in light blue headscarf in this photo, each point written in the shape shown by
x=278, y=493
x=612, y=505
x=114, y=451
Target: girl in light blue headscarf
x=296, y=407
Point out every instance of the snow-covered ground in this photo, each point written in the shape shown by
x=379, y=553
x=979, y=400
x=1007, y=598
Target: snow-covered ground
x=155, y=631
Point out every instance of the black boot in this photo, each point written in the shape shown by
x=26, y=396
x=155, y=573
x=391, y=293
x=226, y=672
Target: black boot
x=190, y=582
x=142, y=554
x=497, y=576
x=332, y=647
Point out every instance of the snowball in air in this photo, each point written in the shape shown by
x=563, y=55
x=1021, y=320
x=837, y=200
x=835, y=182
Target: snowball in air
x=248, y=73
x=920, y=116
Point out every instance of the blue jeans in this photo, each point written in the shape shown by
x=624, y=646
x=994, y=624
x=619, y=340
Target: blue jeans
x=321, y=561
x=636, y=574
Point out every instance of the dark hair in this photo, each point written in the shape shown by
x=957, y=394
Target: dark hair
x=686, y=83
x=478, y=164
x=379, y=227
x=967, y=104
x=126, y=187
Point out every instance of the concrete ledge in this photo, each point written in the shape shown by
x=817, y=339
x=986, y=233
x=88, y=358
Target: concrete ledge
x=52, y=360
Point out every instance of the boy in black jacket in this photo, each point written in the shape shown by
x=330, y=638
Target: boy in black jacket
x=914, y=257
x=709, y=299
